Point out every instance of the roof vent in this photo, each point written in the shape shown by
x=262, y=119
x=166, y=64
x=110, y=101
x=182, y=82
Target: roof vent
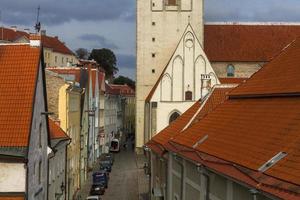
x=272, y=161
x=200, y=141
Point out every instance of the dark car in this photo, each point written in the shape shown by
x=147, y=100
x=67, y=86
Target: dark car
x=100, y=177
x=107, y=156
x=97, y=189
x=105, y=165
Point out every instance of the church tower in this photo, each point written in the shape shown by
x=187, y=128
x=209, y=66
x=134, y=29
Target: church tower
x=160, y=25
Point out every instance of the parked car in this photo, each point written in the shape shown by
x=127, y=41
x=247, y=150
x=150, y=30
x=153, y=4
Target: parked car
x=115, y=145
x=94, y=197
x=97, y=189
x=100, y=177
x=108, y=156
x=105, y=165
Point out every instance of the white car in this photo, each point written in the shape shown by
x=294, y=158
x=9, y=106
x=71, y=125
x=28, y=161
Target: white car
x=93, y=198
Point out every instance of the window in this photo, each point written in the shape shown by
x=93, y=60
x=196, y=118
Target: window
x=153, y=55
x=173, y=117
x=40, y=135
x=153, y=23
x=188, y=95
x=62, y=60
x=230, y=71
x=153, y=39
x=55, y=58
x=40, y=172
x=153, y=71
x=171, y=2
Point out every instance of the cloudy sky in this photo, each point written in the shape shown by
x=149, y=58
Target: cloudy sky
x=111, y=23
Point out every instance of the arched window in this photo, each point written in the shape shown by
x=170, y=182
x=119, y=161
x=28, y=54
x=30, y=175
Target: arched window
x=173, y=117
x=230, y=71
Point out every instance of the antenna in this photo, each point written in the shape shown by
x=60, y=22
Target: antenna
x=38, y=23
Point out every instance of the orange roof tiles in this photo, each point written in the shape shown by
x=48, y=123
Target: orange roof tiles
x=123, y=89
x=243, y=43
x=247, y=131
x=18, y=72
x=47, y=41
x=280, y=76
x=12, y=198
x=232, y=80
x=56, y=132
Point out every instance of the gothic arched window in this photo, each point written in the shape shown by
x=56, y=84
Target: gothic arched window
x=173, y=117
x=230, y=71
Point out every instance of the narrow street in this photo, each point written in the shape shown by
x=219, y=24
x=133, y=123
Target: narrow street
x=127, y=179
x=123, y=183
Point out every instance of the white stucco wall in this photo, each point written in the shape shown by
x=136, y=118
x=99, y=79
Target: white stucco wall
x=166, y=25
x=182, y=74
x=12, y=177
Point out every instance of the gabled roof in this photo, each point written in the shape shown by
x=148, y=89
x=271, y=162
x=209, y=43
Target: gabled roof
x=188, y=118
x=124, y=90
x=55, y=131
x=247, y=42
x=19, y=66
x=281, y=76
x=247, y=131
x=49, y=42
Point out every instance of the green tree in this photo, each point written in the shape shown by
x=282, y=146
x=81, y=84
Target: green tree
x=121, y=80
x=82, y=53
x=106, y=59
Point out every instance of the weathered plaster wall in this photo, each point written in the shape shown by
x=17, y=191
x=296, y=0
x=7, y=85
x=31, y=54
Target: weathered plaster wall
x=12, y=177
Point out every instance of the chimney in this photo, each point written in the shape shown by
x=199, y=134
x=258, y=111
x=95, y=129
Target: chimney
x=43, y=32
x=14, y=28
x=27, y=30
x=205, y=85
x=35, y=40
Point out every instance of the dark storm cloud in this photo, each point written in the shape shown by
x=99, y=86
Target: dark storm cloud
x=126, y=61
x=23, y=12
x=98, y=41
x=254, y=10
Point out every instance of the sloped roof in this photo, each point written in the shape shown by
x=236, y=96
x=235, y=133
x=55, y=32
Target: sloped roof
x=18, y=73
x=47, y=41
x=12, y=197
x=188, y=118
x=74, y=71
x=280, y=76
x=247, y=43
x=247, y=131
x=232, y=80
x=56, y=132
x=123, y=89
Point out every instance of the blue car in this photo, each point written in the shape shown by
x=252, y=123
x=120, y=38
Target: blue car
x=100, y=178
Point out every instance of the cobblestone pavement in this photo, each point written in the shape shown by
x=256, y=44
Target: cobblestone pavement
x=127, y=179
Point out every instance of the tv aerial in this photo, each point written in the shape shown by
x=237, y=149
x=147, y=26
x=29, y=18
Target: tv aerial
x=37, y=26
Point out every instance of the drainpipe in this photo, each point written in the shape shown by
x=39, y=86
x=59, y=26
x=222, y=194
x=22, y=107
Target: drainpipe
x=182, y=178
x=204, y=173
x=254, y=193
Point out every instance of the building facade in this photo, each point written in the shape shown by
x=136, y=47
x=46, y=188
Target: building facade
x=23, y=146
x=157, y=36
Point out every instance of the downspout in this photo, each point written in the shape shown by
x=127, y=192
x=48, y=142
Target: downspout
x=182, y=178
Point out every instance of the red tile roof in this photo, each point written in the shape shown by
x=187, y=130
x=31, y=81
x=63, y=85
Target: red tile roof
x=280, y=76
x=244, y=43
x=246, y=132
x=47, y=41
x=123, y=89
x=232, y=80
x=18, y=72
x=188, y=118
x=75, y=71
x=56, y=132
x=12, y=198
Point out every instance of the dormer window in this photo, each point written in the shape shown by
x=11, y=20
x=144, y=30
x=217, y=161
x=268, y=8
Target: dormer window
x=171, y=2
x=230, y=71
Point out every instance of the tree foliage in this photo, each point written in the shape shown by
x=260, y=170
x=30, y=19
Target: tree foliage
x=106, y=59
x=82, y=53
x=121, y=80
